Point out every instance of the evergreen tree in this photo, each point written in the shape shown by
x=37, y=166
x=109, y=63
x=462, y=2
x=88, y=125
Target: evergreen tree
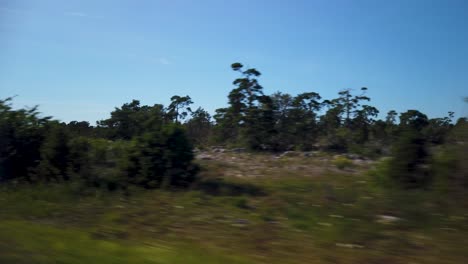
x=199, y=127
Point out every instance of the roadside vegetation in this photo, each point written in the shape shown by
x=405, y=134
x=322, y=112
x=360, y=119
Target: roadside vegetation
x=272, y=179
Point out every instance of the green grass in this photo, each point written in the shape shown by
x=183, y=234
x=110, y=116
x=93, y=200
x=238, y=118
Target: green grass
x=26, y=242
x=282, y=217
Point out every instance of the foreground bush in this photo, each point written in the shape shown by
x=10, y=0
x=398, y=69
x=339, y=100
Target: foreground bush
x=35, y=149
x=409, y=164
x=161, y=158
x=450, y=166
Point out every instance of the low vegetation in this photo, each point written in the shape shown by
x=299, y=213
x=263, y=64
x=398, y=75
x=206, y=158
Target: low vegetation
x=307, y=211
x=274, y=179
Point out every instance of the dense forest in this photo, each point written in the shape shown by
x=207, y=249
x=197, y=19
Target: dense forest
x=153, y=146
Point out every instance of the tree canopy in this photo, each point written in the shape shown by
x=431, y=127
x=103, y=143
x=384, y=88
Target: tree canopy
x=151, y=146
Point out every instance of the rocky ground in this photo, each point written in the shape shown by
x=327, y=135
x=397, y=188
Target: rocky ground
x=240, y=163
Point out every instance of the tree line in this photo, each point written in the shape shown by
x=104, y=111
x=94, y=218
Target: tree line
x=152, y=146
x=138, y=145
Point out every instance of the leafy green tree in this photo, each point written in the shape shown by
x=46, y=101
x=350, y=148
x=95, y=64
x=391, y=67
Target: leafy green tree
x=106, y=169
x=348, y=121
x=309, y=102
x=413, y=119
x=21, y=135
x=362, y=123
x=391, y=117
x=161, y=159
x=123, y=123
x=99, y=163
x=80, y=128
x=451, y=168
x=259, y=131
x=437, y=129
x=348, y=103
x=410, y=160
x=80, y=165
x=409, y=166
x=304, y=115
x=282, y=103
x=199, y=127
x=390, y=128
x=331, y=120
x=285, y=121
x=132, y=119
x=332, y=136
x=179, y=107
x=248, y=89
x=380, y=136
x=227, y=126
x=54, y=154
x=235, y=123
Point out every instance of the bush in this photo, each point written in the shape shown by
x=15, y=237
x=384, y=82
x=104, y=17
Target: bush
x=97, y=162
x=54, y=153
x=450, y=166
x=379, y=173
x=161, y=158
x=409, y=166
x=37, y=149
x=342, y=162
x=21, y=135
x=242, y=203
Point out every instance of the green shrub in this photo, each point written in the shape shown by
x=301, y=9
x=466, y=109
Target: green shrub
x=242, y=203
x=379, y=173
x=450, y=166
x=21, y=135
x=410, y=163
x=342, y=162
x=161, y=158
x=54, y=153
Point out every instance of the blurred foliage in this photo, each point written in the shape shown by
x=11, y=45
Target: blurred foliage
x=342, y=162
x=151, y=146
x=409, y=165
x=450, y=163
x=161, y=158
x=331, y=217
x=21, y=136
x=136, y=146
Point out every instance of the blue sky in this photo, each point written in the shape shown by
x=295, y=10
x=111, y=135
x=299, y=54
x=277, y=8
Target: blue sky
x=79, y=59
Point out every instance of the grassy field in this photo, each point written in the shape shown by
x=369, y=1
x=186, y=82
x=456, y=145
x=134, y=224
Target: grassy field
x=249, y=208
